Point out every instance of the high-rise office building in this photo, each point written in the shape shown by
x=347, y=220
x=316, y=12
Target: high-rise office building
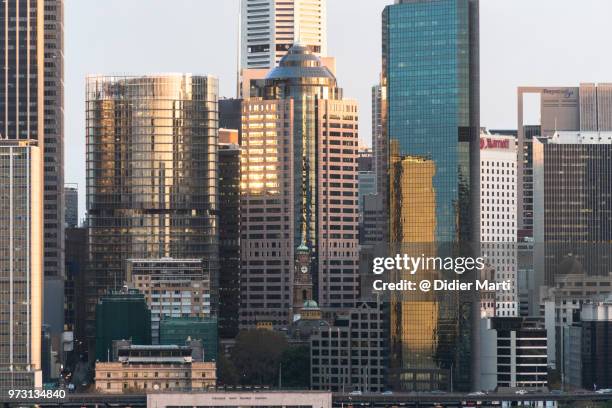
x=71, y=198
x=54, y=143
x=498, y=233
x=572, y=225
x=433, y=138
x=229, y=238
x=379, y=139
x=584, y=108
x=595, y=107
x=172, y=288
x=270, y=27
x=298, y=191
x=151, y=175
x=32, y=106
x=572, y=175
x=21, y=273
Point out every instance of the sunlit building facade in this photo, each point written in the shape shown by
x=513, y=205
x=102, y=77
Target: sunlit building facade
x=21, y=273
x=298, y=188
x=151, y=175
x=431, y=75
x=270, y=27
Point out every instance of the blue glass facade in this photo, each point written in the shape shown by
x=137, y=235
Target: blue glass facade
x=431, y=71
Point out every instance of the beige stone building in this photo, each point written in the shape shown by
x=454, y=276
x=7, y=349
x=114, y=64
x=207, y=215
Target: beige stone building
x=154, y=368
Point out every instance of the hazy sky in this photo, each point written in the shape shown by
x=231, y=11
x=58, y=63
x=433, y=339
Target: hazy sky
x=523, y=42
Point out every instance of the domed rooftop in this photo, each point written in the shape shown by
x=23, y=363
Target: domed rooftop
x=310, y=305
x=300, y=62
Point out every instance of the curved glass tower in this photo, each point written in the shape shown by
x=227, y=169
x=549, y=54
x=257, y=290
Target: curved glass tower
x=151, y=174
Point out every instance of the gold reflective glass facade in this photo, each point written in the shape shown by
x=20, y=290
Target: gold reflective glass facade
x=151, y=175
x=431, y=75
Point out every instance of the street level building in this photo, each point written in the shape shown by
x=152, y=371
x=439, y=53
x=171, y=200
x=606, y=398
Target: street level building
x=155, y=368
x=351, y=354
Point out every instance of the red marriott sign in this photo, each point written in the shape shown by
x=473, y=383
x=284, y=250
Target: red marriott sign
x=487, y=143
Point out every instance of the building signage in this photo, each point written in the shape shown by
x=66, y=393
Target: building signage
x=488, y=143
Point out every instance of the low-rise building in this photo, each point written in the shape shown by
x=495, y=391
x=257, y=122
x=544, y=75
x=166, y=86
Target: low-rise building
x=285, y=399
x=513, y=353
x=351, y=354
x=165, y=367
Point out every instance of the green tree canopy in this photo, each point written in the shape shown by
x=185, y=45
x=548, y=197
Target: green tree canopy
x=257, y=355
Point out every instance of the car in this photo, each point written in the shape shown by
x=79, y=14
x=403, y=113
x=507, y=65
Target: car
x=520, y=392
x=387, y=393
x=355, y=393
x=477, y=394
x=604, y=391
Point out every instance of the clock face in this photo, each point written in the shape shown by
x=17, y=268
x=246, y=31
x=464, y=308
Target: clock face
x=304, y=269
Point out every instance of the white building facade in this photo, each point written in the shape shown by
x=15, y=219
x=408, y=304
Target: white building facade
x=270, y=27
x=498, y=220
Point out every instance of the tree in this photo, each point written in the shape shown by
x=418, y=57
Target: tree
x=226, y=371
x=257, y=355
x=295, y=363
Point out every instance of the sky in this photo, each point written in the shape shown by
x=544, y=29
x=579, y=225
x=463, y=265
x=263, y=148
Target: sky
x=522, y=42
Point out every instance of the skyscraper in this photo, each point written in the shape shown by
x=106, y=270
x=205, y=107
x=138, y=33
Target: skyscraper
x=572, y=215
x=298, y=192
x=379, y=139
x=584, y=108
x=431, y=74
x=498, y=234
x=151, y=175
x=54, y=141
x=71, y=198
x=270, y=27
x=21, y=274
x=229, y=238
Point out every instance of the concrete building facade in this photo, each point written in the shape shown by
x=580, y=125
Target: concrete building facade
x=498, y=224
x=171, y=287
x=21, y=264
x=155, y=368
x=270, y=27
x=298, y=188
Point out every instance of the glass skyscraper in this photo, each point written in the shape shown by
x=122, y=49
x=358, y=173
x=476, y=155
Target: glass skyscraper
x=431, y=73
x=151, y=175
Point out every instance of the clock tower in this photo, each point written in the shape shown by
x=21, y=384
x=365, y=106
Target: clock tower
x=302, y=278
